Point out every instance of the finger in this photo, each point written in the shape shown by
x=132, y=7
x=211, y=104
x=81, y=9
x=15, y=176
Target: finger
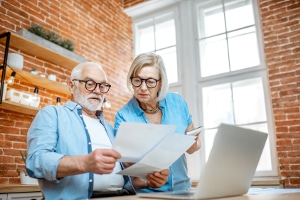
x=111, y=153
x=127, y=164
x=157, y=177
x=156, y=182
x=165, y=172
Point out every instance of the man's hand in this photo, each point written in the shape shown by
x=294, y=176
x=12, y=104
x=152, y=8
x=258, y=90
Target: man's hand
x=102, y=161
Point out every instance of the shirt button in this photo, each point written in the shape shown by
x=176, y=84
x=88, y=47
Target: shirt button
x=91, y=180
x=89, y=143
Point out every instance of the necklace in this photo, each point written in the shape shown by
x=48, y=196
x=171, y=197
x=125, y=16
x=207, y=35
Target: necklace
x=152, y=111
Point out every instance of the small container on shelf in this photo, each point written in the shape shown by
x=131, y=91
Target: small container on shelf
x=25, y=99
x=58, y=103
x=15, y=60
x=35, y=99
x=52, y=77
x=13, y=95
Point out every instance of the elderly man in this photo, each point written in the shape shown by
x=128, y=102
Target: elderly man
x=69, y=146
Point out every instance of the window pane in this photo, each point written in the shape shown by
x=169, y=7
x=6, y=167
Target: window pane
x=209, y=15
x=165, y=32
x=213, y=56
x=240, y=102
x=145, y=33
x=209, y=137
x=243, y=49
x=241, y=8
x=265, y=159
x=249, y=101
x=170, y=59
x=159, y=35
x=217, y=105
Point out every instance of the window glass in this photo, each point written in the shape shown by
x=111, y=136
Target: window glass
x=214, y=56
x=165, y=32
x=158, y=35
x=249, y=101
x=264, y=163
x=239, y=103
x=210, y=14
x=169, y=57
x=217, y=105
x=145, y=34
x=241, y=8
x=212, y=60
x=241, y=45
x=232, y=44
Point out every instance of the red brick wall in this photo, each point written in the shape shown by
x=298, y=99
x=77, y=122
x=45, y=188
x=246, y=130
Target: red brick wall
x=281, y=30
x=101, y=32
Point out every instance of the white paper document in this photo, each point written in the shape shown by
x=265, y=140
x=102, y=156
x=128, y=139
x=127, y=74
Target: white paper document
x=152, y=147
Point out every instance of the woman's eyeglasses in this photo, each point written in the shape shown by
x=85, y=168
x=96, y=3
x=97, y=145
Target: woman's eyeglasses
x=137, y=82
x=91, y=85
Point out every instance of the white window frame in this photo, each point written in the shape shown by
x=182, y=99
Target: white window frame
x=190, y=82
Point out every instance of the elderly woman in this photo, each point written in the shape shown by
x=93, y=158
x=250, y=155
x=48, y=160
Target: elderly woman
x=147, y=80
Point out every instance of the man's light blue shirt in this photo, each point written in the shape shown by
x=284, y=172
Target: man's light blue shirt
x=55, y=132
x=174, y=111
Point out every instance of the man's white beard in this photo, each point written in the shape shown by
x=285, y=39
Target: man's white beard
x=85, y=103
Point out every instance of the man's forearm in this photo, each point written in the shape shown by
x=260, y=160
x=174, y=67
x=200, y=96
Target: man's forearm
x=70, y=165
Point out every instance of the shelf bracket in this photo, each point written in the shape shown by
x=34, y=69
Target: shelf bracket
x=3, y=67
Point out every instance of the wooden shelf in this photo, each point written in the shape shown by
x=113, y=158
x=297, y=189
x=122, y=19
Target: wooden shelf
x=9, y=188
x=38, y=81
x=34, y=49
x=17, y=107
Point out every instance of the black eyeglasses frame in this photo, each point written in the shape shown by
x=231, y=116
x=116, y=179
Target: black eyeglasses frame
x=144, y=80
x=107, y=85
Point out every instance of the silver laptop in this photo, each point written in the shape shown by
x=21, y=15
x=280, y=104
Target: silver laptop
x=230, y=167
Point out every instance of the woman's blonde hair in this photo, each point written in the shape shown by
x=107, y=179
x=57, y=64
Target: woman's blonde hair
x=149, y=60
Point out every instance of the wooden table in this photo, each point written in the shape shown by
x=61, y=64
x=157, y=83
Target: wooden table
x=283, y=196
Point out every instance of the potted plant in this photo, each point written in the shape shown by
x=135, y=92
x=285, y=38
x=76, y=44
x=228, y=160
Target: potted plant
x=25, y=179
x=51, y=36
x=51, y=40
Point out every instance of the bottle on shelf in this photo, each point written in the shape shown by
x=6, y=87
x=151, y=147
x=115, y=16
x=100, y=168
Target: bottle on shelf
x=58, y=103
x=35, y=100
x=9, y=81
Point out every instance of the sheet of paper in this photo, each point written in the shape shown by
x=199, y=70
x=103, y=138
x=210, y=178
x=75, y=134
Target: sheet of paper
x=134, y=140
x=161, y=157
x=152, y=147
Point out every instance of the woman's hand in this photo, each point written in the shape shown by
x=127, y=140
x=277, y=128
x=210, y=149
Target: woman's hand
x=154, y=180
x=158, y=179
x=196, y=146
